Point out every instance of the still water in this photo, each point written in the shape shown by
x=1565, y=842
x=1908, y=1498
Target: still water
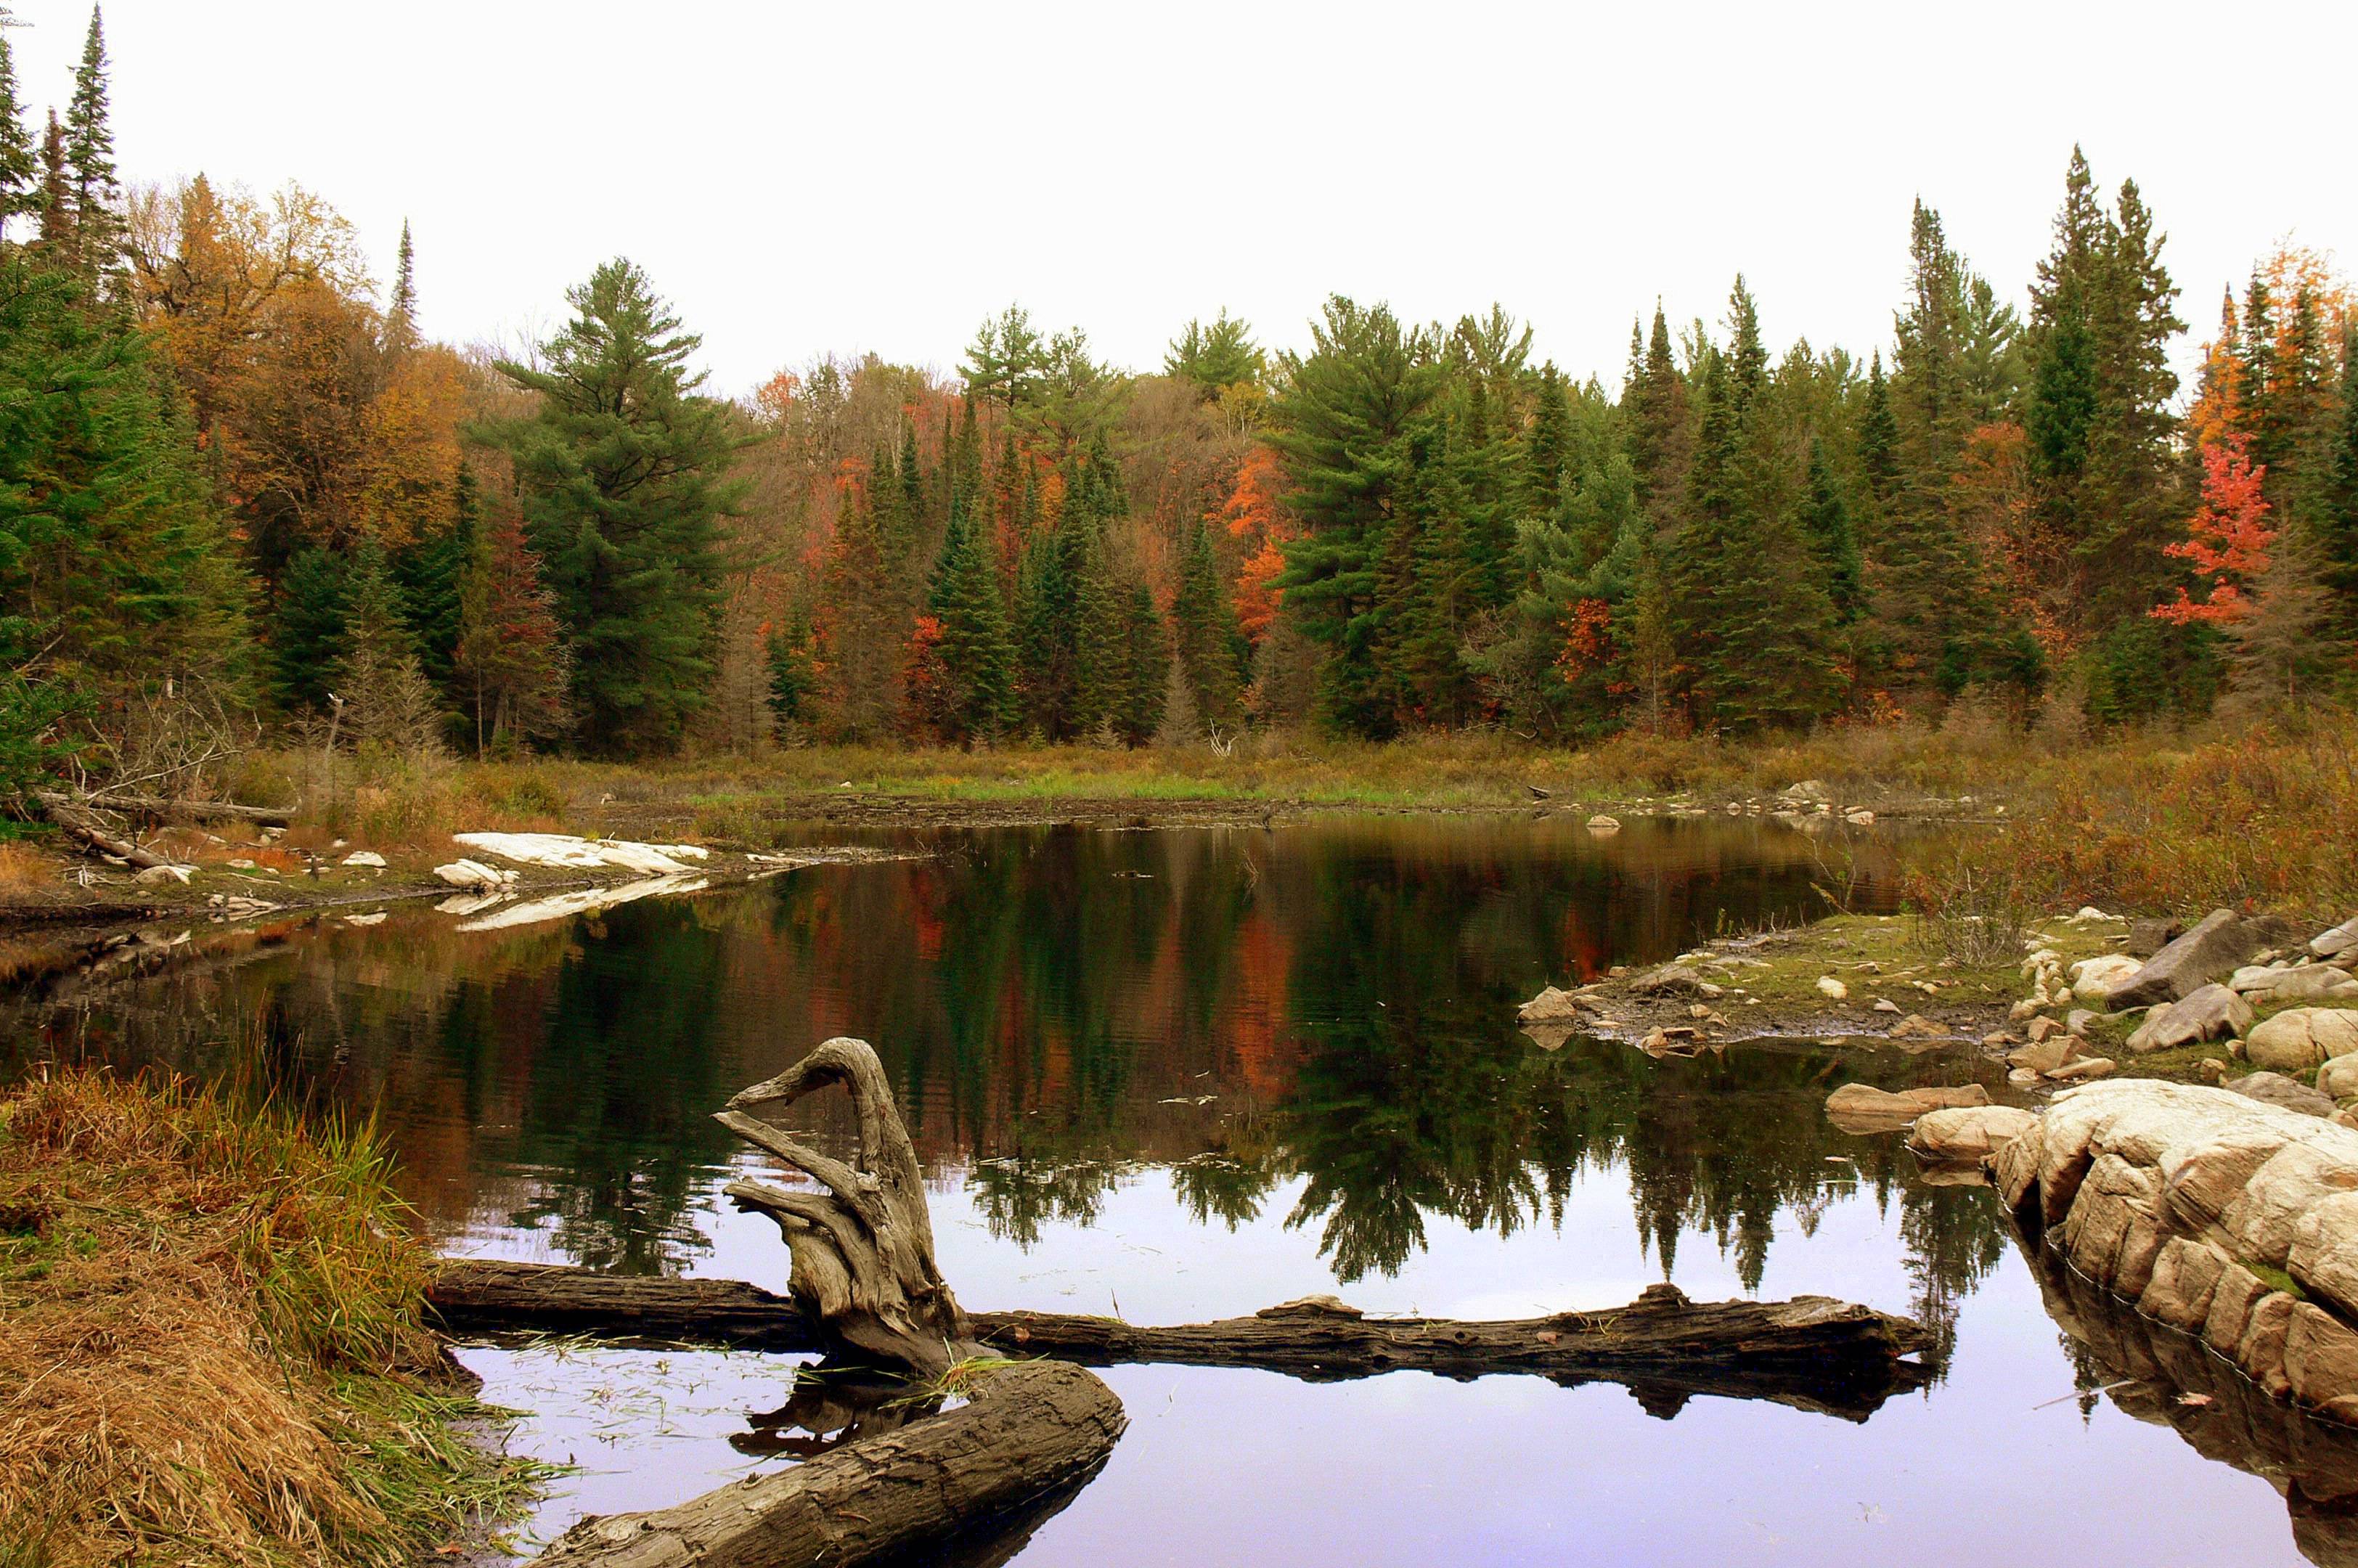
x=1184, y=1074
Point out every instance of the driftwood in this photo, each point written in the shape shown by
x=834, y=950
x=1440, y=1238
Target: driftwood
x=1809, y=1352
x=160, y=809
x=1026, y=1431
x=864, y=1250
x=77, y=821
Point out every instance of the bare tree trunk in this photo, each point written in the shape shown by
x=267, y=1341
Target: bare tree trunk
x=159, y=808
x=77, y=821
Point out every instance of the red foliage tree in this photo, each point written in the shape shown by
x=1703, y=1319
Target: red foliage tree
x=2227, y=539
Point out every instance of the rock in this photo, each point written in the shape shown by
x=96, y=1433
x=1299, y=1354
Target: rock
x=2044, y=1056
x=2302, y=1037
x=1860, y=818
x=2015, y=1014
x=1674, y=979
x=2147, y=937
x=1916, y=1026
x=2079, y=1022
x=2210, y=1070
x=1601, y=824
x=2342, y=939
x=367, y=859
x=1885, y=1004
x=1553, y=1005
x=159, y=876
x=1963, y=1133
x=1809, y=790
x=1999, y=1040
x=474, y=875
x=2323, y=1257
x=1861, y=1108
x=2041, y=1029
x=2090, y=975
x=1833, y=989
x=2022, y=1078
x=2290, y=1094
x=2089, y=915
x=2210, y=951
x=2317, y=982
x=2213, y=1012
x=2338, y=1080
x=2185, y=1273
x=2320, y=1356
x=2086, y=1067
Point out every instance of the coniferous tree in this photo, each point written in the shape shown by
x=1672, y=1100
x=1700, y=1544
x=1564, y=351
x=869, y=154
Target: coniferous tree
x=1544, y=451
x=388, y=704
x=400, y=317
x=1146, y=668
x=90, y=162
x=1340, y=424
x=2338, y=516
x=1204, y=628
x=1834, y=540
x=432, y=574
x=791, y=656
x=973, y=663
x=54, y=203
x=1215, y=357
x=20, y=167
x=624, y=474
x=308, y=628
x=512, y=655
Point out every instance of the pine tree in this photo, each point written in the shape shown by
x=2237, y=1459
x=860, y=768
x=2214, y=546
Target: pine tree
x=1101, y=664
x=388, y=706
x=90, y=160
x=1340, y=423
x=20, y=168
x=1215, y=357
x=512, y=656
x=1543, y=450
x=2337, y=551
x=1659, y=433
x=54, y=203
x=791, y=653
x=624, y=474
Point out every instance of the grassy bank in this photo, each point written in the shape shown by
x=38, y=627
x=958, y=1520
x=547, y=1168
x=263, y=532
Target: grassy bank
x=210, y=1349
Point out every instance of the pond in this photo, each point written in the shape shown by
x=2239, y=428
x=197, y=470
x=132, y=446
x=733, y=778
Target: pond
x=1184, y=1074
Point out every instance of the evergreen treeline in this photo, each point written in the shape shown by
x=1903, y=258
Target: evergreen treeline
x=236, y=478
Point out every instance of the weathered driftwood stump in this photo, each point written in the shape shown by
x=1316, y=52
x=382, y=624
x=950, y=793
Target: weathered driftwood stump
x=864, y=1250
x=863, y=1281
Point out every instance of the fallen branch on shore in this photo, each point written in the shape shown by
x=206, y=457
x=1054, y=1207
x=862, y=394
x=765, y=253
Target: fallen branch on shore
x=79, y=823
x=162, y=810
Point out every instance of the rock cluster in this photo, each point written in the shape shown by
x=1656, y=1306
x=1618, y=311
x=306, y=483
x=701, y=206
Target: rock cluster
x=2233, y=1220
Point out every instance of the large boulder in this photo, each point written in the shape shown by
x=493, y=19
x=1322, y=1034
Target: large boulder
x=2090, y=977
x=2338, y=1080
x=2301, y=1037
x=2333, y=943
x=2147, y=937
x=2286, y=1094
x=2313, y=983
x=2211, y=1013
x=1863, y=1108
x=2210, y=951
x=1967, y=1134
x=1553, y=1005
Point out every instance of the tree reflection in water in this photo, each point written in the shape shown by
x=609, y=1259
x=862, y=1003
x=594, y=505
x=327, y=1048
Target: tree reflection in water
x=1331, y=1005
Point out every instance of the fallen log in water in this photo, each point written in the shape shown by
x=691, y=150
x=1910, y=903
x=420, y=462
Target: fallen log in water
x=1027, y=1430
x=1810, y=1352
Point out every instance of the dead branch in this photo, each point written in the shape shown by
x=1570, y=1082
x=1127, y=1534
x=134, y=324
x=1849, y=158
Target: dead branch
x=157, y=808
x=79, y=823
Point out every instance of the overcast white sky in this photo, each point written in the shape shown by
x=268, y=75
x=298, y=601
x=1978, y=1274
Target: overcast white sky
x=847, y=176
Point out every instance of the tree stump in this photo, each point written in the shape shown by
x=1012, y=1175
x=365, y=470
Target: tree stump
x=864, y=1250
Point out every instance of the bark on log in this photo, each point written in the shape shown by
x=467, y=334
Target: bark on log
x=160, y=809
x=76, y=820
x=1027, y=1431
x=1811, y=1353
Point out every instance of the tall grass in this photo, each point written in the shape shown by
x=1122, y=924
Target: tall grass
x=211, y=1346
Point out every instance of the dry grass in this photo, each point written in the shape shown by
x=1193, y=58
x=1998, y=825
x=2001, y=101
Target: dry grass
x=23, y=867
x=210, y=1343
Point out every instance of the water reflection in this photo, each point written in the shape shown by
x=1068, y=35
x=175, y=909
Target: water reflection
x=1194, y=1072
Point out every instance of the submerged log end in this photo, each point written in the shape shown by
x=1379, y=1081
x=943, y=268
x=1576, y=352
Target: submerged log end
x=1026, y=1429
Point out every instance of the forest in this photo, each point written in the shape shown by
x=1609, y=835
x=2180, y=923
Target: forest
x=243, y=501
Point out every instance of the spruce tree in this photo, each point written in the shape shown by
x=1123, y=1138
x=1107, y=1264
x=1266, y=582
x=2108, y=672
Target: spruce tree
x=1834, y=540
x=20, y=168
x=512, y=659
x=432, y=574
x=1204, y=628
x=388, y=704
x=791, y=656
x=1543, y=450
x=400, y=317
x=311, y=613
x=1101, y=665
x=90, y=162
x=976, y=660
x=2337, y=530
x=1146, y=668
x=624, y=474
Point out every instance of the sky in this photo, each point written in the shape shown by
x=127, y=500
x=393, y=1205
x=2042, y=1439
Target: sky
x=803, y=179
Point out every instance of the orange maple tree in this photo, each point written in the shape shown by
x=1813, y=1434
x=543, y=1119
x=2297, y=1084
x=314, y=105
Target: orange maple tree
x=2227, y=539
